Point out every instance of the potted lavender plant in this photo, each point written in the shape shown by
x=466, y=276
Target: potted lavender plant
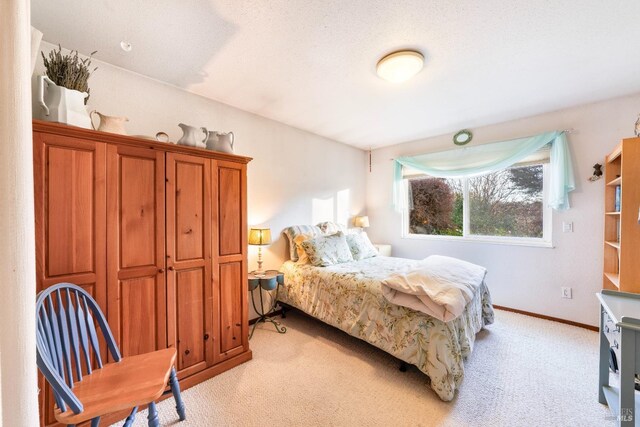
x=64, y=90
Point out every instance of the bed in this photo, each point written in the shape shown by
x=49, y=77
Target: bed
x=348, y=296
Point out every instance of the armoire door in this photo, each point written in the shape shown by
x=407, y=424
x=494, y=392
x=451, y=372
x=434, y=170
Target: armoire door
x=70, y=212
x=136, y=248
x=230, y=258
x=190, y=306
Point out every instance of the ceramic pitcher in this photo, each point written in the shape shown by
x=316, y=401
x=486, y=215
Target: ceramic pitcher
x=62, y=105
x=109, y=123
x=219, y=141
x=190, y=136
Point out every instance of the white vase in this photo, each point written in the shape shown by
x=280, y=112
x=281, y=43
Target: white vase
x=219, y=141
x=62, y=105
x=191, y=136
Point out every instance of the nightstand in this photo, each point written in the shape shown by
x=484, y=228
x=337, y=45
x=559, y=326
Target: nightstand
x=383, y=249
x=268, y=281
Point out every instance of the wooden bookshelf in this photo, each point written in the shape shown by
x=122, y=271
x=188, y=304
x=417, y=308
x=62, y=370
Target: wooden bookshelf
x=622, y=226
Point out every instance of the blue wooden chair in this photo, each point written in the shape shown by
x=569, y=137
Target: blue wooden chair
x=68, y=355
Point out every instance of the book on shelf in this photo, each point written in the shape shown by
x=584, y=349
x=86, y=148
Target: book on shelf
x=616, y=206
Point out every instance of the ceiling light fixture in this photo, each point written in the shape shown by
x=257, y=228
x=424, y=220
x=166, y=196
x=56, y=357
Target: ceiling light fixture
x=400, y=66
x=126, y=46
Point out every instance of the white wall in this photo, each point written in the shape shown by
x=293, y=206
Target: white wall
x=526, y=278
x=292, y=170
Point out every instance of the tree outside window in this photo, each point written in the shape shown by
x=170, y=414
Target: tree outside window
x=507, y=203
x=437, y=206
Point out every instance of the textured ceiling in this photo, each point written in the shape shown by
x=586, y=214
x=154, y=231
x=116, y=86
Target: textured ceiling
x=311, y=64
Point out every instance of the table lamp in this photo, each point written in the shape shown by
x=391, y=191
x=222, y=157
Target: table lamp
x=259, y=237
x=361, y=221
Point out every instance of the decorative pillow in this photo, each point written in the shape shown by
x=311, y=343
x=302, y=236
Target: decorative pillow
x=293, y=231
x=328, y=250
x=360, y=246
x=302, y=255
x=329, y=227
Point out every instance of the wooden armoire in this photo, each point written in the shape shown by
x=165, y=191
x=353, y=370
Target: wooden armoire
x=156, y=233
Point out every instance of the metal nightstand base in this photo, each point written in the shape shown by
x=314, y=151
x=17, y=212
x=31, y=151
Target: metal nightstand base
x=266, y=282
x=264, y=319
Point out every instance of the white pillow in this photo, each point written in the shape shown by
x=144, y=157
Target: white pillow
x=327, y=250
x=360, y=246
x=293, y=231
x=303, y=258
x=330, y=227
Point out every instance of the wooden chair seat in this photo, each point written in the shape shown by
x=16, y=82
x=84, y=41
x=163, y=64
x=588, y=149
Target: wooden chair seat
x=134, y=381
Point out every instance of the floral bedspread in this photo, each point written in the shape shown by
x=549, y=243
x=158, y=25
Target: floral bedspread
x=348, y=296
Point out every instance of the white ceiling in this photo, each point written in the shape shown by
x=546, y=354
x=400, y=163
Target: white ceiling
x=311, y=64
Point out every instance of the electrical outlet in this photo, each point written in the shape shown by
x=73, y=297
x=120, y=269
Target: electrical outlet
x=566, y=292
x=567, y=227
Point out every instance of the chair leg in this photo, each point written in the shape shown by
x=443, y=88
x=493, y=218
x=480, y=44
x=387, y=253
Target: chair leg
x=95, y=422
x=131, y=418
x=175, y=389
x=152, y=418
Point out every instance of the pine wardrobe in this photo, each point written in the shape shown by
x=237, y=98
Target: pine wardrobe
x=157, y=234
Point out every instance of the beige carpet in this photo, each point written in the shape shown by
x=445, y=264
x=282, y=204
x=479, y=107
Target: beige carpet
x=523, y=372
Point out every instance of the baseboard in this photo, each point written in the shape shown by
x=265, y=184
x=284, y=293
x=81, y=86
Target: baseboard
x=545, y=317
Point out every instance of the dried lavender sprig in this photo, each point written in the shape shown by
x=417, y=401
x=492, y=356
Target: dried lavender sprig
x=69, y=70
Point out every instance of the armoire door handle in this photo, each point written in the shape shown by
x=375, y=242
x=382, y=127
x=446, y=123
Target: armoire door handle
x=170, y=268
x=206, y=336
x=161, y=270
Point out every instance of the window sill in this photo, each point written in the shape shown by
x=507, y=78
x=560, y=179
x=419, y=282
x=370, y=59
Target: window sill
x=535, y=243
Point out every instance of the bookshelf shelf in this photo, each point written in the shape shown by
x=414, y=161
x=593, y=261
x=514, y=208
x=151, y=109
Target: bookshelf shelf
x=613, y=278
x=614, y=244
x=615, y=182
x=621, y=228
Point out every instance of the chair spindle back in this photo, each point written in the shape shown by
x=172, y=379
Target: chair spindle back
x=67, y=339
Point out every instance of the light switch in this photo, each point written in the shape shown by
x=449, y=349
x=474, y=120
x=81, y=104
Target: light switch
x=567, y=227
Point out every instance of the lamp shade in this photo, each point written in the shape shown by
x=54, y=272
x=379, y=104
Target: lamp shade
x=361, y=221
x=259, y=236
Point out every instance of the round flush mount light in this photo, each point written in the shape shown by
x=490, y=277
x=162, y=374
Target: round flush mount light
x=126, y=46
x=400, y=66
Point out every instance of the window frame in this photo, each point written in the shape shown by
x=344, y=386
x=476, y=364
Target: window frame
x=547, y=220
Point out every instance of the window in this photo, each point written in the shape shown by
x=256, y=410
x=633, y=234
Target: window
x=508, y=205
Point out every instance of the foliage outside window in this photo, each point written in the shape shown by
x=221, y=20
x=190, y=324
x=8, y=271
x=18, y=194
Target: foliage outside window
x=508, y=204
x=437, y=206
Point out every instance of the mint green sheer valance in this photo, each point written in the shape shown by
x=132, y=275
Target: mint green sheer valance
x=481, y=159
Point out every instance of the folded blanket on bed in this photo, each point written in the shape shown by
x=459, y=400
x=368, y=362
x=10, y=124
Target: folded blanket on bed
x=440, y=287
